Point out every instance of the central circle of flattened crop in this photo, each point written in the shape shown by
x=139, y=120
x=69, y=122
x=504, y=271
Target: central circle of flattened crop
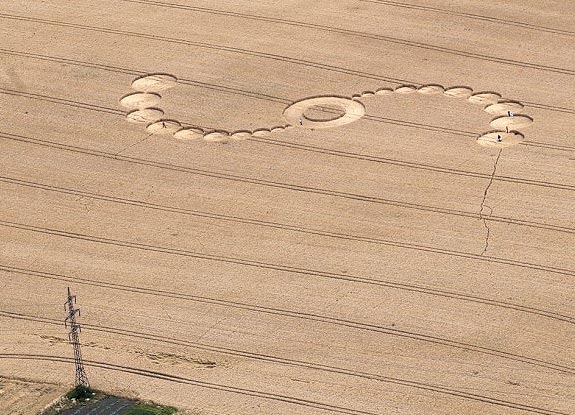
x=324, y=112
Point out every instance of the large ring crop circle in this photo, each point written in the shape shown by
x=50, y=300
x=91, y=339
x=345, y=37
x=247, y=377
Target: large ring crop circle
x=352, y=111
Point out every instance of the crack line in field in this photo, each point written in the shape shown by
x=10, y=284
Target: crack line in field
x=483, y=205
x=133, y=145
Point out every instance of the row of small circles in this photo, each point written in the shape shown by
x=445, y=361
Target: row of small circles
x=143, y=106
x=506, y=122
x=143, y=109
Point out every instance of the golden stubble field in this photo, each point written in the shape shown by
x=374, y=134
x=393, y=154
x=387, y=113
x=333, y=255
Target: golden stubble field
x=23, y=397
x=390, y=265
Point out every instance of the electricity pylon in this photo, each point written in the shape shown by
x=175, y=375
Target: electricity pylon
x=74, y=337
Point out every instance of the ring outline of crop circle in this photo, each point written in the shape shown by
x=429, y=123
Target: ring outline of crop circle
x=353, y=111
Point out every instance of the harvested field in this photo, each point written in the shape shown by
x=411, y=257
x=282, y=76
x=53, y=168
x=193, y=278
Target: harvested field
x=24, y=397
x=353, y=207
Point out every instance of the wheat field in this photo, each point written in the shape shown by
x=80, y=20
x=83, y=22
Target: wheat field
x=289, y=207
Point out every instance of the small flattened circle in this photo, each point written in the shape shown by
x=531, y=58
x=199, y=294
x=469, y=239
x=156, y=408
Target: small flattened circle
x=261, y=132
x=241, y=135
x=367, y=94
x=431, y=89
x=217, y=136
x=140, y=100
x=458, y=92
x=484, y=98
x=154, y=82
x=164, y=127
x=405, y=89
x=383, y=91
x=512, y=123
x=503, y=107
x=189, y=134
x=146, y=115
x=500, y=139
x=352, y=110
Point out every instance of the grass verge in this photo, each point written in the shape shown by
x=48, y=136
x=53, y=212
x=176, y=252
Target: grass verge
x=150, y=409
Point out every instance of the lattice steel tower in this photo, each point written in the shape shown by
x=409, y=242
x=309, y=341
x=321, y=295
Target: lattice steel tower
x=74, y=337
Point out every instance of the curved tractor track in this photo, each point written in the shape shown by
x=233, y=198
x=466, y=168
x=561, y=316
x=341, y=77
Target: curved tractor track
x=297, y=363
x=209, y=385
x=325, y=319
x=279, y=185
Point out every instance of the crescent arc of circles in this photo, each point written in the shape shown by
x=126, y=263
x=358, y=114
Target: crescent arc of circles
x=319, y=112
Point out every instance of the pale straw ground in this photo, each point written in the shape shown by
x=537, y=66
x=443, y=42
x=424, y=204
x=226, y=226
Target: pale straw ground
x=390, y=265
x=25, y=397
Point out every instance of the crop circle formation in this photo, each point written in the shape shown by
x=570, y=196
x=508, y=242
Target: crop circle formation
x=320, y=112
